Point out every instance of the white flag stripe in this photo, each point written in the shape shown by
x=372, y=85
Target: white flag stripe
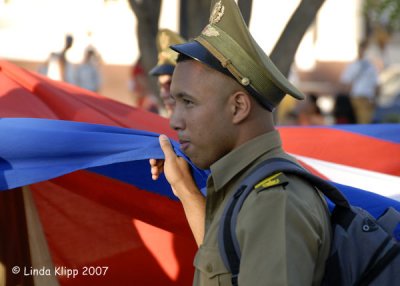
x=379, y=183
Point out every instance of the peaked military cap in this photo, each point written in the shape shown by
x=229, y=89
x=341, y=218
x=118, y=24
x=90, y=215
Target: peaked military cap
x=226, y=45
x=166, y=57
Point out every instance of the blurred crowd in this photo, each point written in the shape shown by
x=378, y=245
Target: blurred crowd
x=368, y=90
x=85, y=74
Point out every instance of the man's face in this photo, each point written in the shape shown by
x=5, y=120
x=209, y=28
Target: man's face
x=201, y=116
x=164, y=82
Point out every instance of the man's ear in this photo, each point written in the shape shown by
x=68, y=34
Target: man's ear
x=240, y=106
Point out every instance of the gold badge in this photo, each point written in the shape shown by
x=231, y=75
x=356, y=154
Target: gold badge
x=210, y=31
x=215, y=17
x=217, y=13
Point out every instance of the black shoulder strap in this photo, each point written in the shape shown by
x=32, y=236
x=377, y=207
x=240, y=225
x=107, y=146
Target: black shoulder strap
x=227, y=241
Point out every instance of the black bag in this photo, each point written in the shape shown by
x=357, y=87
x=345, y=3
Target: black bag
x=364, y=251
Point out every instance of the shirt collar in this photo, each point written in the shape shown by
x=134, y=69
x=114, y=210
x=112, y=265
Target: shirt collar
x=237, y=160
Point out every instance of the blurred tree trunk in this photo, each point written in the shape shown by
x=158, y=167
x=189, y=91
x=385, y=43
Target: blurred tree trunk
x=147, y=14
x=245, y=7
x=194, y=15
x=285, y=48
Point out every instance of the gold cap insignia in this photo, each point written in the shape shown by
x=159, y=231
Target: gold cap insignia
x=215, y=17
x=217, y=13
x=210, y=31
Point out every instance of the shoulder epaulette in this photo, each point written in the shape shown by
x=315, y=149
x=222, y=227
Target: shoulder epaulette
x=278, y=179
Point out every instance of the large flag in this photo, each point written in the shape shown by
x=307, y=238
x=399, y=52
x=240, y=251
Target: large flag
x=36, y=150
x=110, y=213
x=93, y=220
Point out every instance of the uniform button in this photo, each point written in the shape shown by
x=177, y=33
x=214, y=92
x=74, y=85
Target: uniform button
x=245, y=81
x=209, y=268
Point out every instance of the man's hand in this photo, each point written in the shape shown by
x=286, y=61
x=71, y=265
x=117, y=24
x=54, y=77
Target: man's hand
x=177, y=172
x=176, y=169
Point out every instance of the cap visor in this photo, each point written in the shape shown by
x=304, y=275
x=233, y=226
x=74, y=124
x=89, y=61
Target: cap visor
x=199, y=53
x=162, y=69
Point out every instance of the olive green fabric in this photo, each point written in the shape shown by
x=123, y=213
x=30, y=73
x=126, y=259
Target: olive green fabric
x=166, y=38
x=283, y=230
x=228, y=39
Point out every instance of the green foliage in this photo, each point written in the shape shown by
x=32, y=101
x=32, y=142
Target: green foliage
x=385, y=13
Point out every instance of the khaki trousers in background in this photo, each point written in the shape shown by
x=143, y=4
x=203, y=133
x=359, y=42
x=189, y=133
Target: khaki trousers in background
x=363, y=109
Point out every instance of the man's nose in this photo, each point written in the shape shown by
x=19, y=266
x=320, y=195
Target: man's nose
x=176, y=121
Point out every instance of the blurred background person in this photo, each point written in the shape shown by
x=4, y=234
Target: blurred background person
x=343, y=111
x=139, y=86
x=360, y=81
x=165, y=66
x=309, y=113
x=88, y=74
x=57, y=66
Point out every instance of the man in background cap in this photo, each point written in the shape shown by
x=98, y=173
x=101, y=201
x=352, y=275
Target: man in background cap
x=166, y=65
x=225, y=89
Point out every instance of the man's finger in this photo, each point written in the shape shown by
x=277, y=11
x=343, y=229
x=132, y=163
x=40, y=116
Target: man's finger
x=166, y=146
x=155, y=173
x=153, y=162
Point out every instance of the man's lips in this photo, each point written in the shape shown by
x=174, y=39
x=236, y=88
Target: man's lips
x=184, y=144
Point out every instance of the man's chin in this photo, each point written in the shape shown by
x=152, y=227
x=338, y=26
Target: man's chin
x=200, y=163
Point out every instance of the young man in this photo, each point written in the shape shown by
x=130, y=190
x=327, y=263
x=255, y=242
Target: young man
x=225, y=88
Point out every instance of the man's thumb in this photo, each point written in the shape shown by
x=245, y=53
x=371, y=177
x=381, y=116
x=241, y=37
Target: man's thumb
x=166, y=146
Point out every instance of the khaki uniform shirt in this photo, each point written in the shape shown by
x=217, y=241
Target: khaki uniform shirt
x=283, y=231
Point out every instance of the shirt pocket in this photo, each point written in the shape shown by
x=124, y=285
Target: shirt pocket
x=210, y=267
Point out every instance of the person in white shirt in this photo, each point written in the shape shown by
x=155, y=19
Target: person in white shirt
x=57, y=66
x=360, y=81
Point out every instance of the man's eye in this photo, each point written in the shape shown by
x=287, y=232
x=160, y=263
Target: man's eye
x=187, y=101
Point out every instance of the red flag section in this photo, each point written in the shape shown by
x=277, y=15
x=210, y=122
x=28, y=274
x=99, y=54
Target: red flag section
x=94, y=221
x=344, y=148
x=26, y=94
x=111, y=232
